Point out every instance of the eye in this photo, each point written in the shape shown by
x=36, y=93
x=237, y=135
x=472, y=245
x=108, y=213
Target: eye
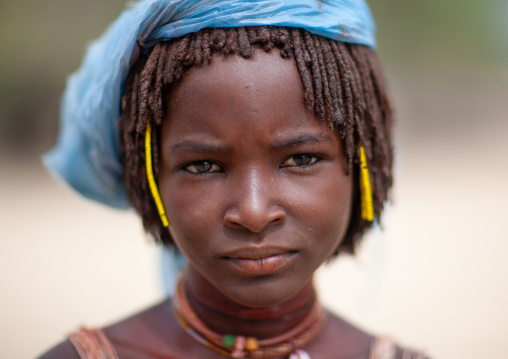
x=201, y=167
x=300, y=160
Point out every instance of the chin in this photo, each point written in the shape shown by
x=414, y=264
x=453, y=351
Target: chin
x=263, y=292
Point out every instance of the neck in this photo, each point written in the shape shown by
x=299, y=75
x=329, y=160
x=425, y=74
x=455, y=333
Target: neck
x=224, y=316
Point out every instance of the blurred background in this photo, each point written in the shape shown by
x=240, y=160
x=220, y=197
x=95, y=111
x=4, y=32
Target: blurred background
x=435, y=278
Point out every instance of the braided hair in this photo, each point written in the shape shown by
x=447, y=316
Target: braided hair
x=342, y=83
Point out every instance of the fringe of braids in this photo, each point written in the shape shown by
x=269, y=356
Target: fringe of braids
x=342, y=83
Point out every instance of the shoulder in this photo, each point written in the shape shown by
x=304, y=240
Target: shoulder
x=340, y=336
x=132, y=337
x=64, y=350
x=356, y=343
x=385, y=348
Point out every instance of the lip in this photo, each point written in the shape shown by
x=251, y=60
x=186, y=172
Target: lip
x=259, y=261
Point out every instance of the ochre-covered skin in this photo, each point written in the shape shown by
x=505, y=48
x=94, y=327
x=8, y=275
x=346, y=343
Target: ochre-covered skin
x=272, y=199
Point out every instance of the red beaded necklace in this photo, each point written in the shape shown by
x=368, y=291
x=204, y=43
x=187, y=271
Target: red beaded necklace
x=247, y=347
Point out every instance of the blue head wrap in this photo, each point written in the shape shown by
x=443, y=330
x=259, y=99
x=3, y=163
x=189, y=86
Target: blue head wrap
x=87, y=155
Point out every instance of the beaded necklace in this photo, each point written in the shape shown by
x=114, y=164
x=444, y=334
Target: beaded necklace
x=289, y=343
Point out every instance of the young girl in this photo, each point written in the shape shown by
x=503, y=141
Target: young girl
x=255, y=137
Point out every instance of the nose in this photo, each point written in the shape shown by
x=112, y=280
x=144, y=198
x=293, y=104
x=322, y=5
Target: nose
x=254, y=206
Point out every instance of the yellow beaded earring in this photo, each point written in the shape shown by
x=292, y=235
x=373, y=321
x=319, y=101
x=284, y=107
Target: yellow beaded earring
x=149, y=174
x=365, y=188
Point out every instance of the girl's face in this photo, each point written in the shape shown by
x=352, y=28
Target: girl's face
x=253, y=183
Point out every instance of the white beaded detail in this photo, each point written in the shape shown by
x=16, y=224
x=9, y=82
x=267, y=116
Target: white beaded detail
x=299, y=354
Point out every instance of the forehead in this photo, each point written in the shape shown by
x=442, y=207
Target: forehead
x=260, y=72
x=240, y=94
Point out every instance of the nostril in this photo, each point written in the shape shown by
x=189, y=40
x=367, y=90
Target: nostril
x=278, y=220
x=279, y=216
x=233, y=224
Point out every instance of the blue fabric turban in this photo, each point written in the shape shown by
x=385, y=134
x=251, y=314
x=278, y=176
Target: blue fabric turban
x=87, y=155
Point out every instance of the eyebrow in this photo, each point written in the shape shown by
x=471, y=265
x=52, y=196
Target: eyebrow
x=302, y=139
x=200, y=147
x=194, y=146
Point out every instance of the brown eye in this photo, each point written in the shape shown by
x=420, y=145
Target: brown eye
x=300, y=160
x=202, y=167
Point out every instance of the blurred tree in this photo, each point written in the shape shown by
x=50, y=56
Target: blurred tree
x=42, y=42
x=433, y=32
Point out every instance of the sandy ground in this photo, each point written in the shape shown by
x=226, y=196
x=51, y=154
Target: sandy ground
x=435, y=278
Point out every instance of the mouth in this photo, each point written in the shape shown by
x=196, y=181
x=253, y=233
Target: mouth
x=259, y=262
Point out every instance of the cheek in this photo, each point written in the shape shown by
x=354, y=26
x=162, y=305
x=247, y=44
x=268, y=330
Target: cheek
x=326, y=208
x=192, y=210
